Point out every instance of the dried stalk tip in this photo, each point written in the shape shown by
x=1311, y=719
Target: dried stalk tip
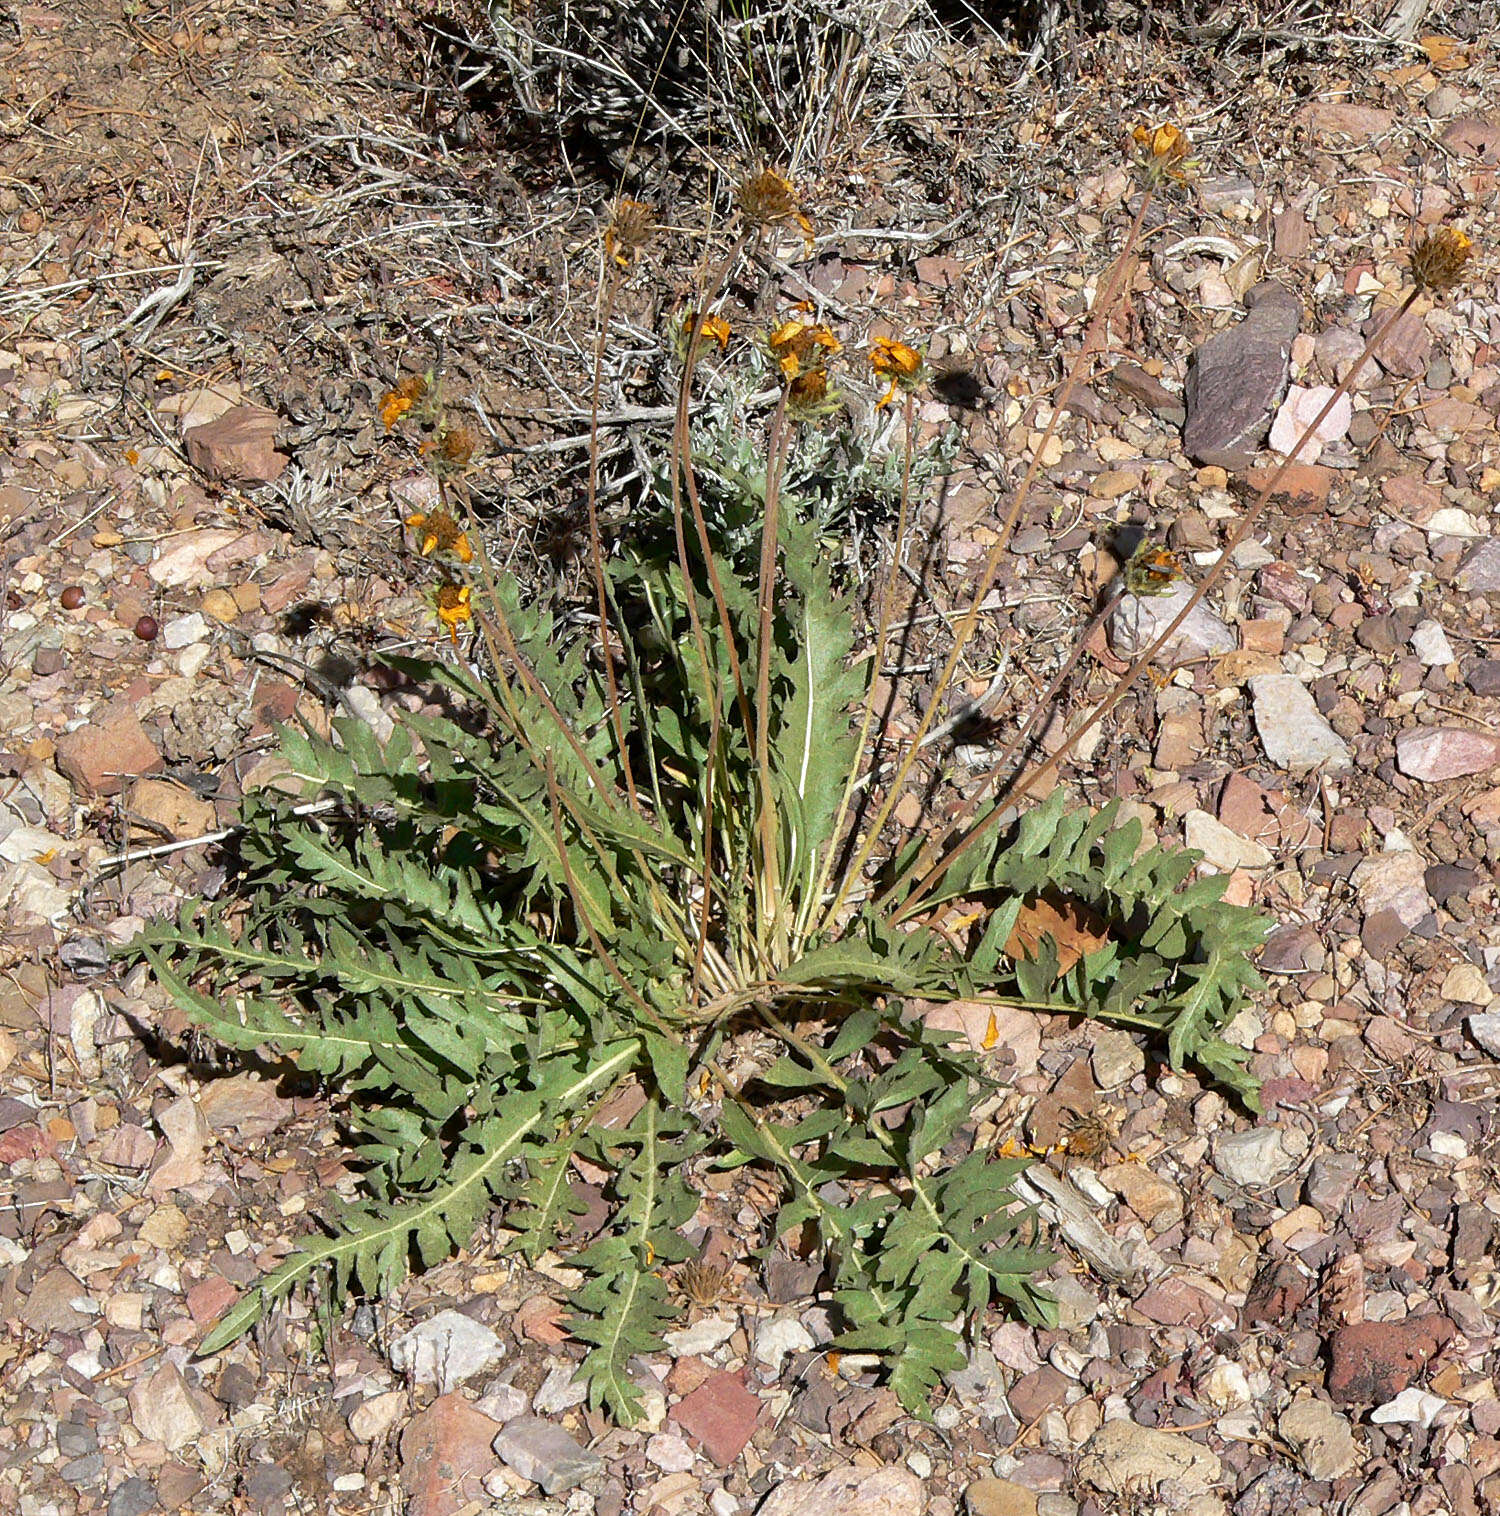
x=702, y=1283
x=628, y=232
x=767, y=198
x=1439, y=259
x=1162, y=152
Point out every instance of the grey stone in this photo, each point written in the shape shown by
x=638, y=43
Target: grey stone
x=446, y=1350
x=543, y=1453
x=1117, y=1058
x=1237, y=378
x=135, y=1497
x=1480, y=570
x=1393, y=881
x=1323, y=1439
x=1138, y=620
x=1294, y=733
x=1259, y=1158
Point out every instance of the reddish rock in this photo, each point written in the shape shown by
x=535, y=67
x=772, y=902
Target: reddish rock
x=238, y=447
x=445, y=1453
x=106, y=751
x=720, y=1415
x=209, y=1298
x=1474, y=137
x=1036, y=1392
x=1371, y=1362
x=1277, y=1293
x=1306, y=485
x=1175, y=1302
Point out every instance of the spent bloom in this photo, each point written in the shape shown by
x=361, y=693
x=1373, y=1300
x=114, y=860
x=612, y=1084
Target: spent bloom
x=769, y=198
x=1438, y=260
x=896, y=363
x=451, y=602
x=1152, y=570
x=451, y=451
x=438, y=532
x=711, y=328
x=628, y=231
x=1162, y=152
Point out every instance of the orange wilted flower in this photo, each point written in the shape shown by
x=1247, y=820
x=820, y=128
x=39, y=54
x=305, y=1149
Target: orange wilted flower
x=1152, y=570
x=1438, y=261
x=798, y=344
x=808, y=395
x=898, y=364
x=452, y=605
x=628, y=232
x=440, y=533
x=394, y=404
x=451, y=451
x=1163, y=151
x=715, y=328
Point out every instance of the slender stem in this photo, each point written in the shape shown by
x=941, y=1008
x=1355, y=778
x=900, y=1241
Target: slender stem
x=1091, y=344
x=867, y=714
x=1048, y=766
x=596, y=549
x=767, y=896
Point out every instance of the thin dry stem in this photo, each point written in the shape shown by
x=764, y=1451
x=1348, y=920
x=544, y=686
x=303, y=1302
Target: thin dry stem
x=1102, y=308
x=1033, y=776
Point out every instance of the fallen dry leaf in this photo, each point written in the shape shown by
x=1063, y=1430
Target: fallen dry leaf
x=1075, y=929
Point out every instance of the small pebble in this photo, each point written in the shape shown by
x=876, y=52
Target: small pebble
x=71, y=598
x=146, y=628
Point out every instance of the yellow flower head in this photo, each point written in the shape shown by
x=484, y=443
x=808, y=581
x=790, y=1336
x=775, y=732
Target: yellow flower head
x=628, y=232
x=768, y=198
x=394, y=404
x=440, y=533
x=452, y=605
x=1438, y=261
x=796, y=344
x=898, y=364
x=1162, y=152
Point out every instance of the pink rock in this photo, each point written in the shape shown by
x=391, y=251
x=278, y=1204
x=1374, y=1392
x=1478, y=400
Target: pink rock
x=1474, y=137
x=445, y=1453
x=1340, y=120
x=184, y=561
x=1406, y=349
x=1412, y=496
x=1430, y=753
x=239, y=446
x=720, y=1414
x=105, y=752
x=1299, y=411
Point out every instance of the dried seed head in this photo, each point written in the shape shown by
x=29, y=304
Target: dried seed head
x=702, y=1283
x=1089, y=1137
x=628, y=232
x=768, y=199
x=810, y=397
x=1439, y=259
x=454, y=450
